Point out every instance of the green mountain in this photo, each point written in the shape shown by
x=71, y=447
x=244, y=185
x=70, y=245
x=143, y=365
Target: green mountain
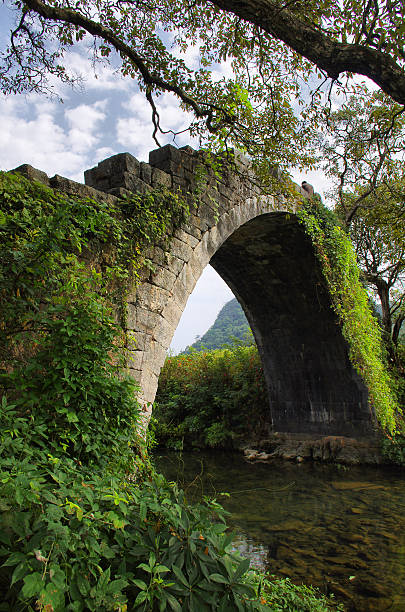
x=230, y=323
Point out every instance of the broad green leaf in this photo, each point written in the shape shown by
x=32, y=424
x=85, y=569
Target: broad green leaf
x=33, y=584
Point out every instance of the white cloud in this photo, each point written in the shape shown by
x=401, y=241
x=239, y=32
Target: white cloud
x=83, y=121
x=99, y=76
x=42, y=133
x=134, y=130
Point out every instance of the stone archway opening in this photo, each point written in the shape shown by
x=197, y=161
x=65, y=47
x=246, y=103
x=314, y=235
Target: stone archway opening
x=270, y=266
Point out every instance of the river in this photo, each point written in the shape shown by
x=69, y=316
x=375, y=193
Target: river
x=340, y=529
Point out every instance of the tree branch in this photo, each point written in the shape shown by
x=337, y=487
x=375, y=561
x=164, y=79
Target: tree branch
x=72, y=17
x=331, y=56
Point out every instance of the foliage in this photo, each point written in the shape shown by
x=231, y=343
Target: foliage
x=208, y=398
x=364, y=155
x=230, y=325
x=281, y=595
x=363, y=150
x=378, y=234
x=74, y=539
x=273, y=57
x=351, y=304
x=393, y=448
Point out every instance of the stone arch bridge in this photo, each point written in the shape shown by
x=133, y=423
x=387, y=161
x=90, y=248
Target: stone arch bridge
x=258, y=247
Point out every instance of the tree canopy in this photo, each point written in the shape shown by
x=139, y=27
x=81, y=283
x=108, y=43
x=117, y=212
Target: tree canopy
x=364, y=154
x=277, y=55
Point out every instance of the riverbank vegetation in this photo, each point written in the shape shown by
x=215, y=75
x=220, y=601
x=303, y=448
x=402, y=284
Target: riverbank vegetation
x=85, y=522
x=211, y=398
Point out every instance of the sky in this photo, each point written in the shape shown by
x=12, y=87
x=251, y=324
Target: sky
x=107, y=115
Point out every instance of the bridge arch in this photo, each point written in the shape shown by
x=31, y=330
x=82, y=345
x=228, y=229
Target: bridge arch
x=259, y=248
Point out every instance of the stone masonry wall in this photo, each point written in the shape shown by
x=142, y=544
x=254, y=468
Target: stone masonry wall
x=297, y=334
x=221, y=206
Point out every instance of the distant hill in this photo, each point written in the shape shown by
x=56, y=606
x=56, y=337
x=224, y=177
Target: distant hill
x=230, y=323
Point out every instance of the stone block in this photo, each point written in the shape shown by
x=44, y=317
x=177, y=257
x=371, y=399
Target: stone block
x=138, y=340
x=134, y=359
x=151, y=297
x=172, y=313
x=192, y=228
x=180, y=249
x=111, y=167
x=158, y=256
x=171, y=160
x=136, y=374
x=225, y=191
x=78, y=189
x=163, y=278
x=175, y=265
x=200, y=255
x=160, y=178
x=184, y=286
x=207, y=215
x=188, y=149
x=225, y=226
x=157, y=356
x=146, y=321
x=32, y=173
x=117, y=164
x=131, y=316
x=164, y=332
x=185, y=237
x=120, y=192
x=212, y=240
x=180, y=183
x=146, y=173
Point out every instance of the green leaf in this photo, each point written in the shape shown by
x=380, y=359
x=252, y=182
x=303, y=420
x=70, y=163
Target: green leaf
x=219, y=578
x=181, y=576
x=161, y=569
x=117, y=585
x=33, y=585
x=141, y=597
x=174, y=604
x=14, y=559
x=140, y=584
x=21, y=570
x=242, y=568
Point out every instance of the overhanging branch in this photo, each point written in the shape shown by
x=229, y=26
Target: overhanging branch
x=329, y=55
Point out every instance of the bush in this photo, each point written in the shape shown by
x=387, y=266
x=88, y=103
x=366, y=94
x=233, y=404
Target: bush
x=351, y=303
x=209, y=398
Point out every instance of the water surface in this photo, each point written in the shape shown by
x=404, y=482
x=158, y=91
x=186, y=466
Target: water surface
x=342, y=530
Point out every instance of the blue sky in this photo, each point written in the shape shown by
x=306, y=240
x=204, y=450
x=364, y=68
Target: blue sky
x=108, y=115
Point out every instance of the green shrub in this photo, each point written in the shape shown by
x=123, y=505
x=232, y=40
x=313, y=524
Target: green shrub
x=208, y=398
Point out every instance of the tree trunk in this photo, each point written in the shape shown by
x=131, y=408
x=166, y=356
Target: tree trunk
x=397, y=328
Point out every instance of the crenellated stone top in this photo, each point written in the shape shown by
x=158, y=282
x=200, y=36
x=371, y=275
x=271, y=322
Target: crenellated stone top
x=168, y=166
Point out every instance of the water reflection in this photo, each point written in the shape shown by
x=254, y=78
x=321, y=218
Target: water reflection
x=342, y=530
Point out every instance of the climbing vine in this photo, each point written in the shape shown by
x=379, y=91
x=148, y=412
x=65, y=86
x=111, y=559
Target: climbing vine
x=351, y=303
x=59, y=253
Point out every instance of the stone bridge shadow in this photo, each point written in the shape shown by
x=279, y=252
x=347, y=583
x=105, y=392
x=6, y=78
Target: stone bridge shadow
x=259, y=248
